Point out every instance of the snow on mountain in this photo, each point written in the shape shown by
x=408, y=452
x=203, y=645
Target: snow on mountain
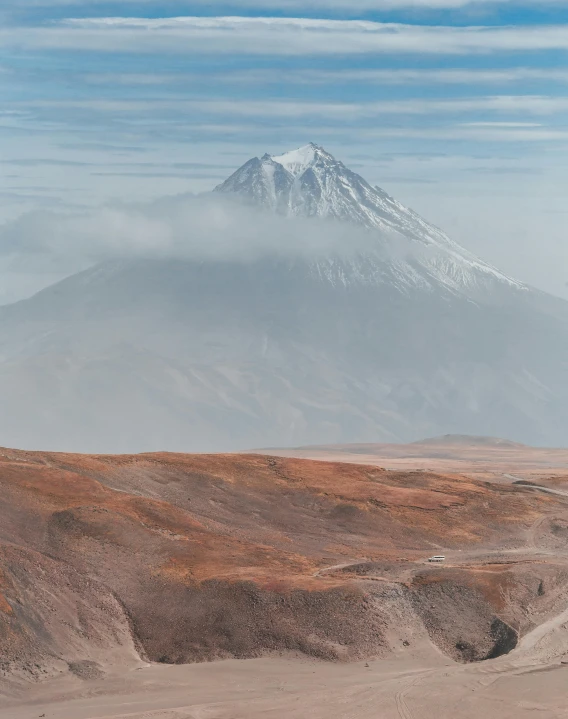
x=407, y=250
x=298, y=161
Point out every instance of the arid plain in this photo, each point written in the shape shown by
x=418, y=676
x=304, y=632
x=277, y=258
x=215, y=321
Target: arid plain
x=233, y=586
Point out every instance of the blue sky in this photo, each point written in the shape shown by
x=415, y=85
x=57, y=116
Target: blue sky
x=459, y=109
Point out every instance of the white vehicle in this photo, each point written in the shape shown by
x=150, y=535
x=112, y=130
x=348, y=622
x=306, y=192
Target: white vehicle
x=437, y=559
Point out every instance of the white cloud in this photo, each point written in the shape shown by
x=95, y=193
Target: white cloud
x=194, y=227
x=501, y=124
x=284, y=109
x=382, y=4
x=473, y=133
x=376, y=4
x=534, y=104
x=280, y=36
x=410, y=76
x=322, y=5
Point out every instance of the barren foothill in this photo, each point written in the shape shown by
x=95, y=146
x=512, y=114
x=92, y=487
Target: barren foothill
x=168, y=586
x=484, y=458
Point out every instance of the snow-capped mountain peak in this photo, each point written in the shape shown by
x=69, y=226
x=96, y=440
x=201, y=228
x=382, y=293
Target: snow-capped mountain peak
x=310, y=182
x=296, y=162
x=407, y=250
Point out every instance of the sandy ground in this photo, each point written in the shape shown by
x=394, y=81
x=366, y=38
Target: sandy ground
x=527, y=683
x=420, y=683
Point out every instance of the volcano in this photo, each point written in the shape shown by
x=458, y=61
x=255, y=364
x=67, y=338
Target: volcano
x=402, y=334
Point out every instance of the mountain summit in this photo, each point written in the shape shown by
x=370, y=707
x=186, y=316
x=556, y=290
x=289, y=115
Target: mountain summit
x=298, y=161
x=309, y=182
x=408, y=250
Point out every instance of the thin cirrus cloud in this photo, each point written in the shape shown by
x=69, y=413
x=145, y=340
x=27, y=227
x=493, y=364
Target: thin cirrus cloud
x=280, y=36
x=321, y=5
x=539, y=105
x=375, y=4
x=532, y=104
x=446, y=76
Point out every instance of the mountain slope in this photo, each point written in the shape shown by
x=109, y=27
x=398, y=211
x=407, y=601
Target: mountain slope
x=401, y=336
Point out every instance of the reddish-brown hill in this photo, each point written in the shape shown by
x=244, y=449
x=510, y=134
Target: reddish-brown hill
x=185, y=558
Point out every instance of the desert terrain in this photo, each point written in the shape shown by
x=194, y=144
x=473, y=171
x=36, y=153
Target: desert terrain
x=484, y=458
x=166, y=586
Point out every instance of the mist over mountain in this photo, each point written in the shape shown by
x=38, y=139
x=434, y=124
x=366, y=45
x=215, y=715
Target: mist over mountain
x=296, y=304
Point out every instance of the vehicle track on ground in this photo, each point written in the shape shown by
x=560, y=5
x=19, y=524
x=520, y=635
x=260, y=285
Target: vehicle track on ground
x=334, y=567
x=402, y=707
x=533, y=638
x=404, y=711
x=532, y=533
